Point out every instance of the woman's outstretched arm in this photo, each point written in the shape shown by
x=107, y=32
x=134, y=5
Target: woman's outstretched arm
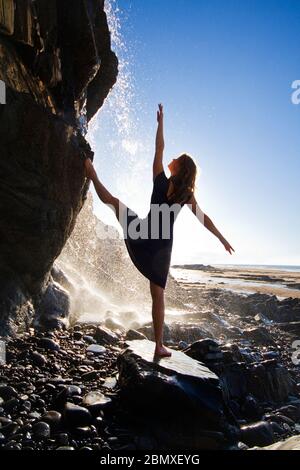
x=159, y=143
x=208, y=223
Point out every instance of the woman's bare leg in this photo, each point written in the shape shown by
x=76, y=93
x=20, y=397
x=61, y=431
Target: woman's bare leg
x=113, y=202
x=158, y=314
x=157, y=292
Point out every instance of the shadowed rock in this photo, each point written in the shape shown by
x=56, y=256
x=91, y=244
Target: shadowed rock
x=58, y=67
x=178, y=395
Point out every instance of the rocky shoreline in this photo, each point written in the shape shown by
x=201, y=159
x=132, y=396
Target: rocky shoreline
x=247, y=279
x=93, y=386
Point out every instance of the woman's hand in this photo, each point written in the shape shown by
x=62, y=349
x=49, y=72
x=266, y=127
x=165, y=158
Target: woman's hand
x=160, y=113
x=227, y=245
x=90, y=171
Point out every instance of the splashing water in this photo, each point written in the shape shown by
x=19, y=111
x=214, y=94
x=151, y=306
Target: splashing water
x=118, y=105
x=114, y=132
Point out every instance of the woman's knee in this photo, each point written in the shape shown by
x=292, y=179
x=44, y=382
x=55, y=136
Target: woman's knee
x=156, y=290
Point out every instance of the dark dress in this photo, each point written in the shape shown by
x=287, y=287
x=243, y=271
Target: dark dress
x=152, y=255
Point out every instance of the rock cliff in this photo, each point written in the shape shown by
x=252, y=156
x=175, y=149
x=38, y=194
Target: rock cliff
x=58, y=68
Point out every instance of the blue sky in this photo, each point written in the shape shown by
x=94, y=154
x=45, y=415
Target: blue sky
x=223, y=70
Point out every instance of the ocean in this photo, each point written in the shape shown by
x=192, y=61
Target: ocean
x=281, y=267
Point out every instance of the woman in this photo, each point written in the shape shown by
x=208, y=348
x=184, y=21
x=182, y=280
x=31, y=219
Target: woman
x=152, y=254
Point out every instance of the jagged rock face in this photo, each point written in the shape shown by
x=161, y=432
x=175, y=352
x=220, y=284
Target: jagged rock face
x=58, y=68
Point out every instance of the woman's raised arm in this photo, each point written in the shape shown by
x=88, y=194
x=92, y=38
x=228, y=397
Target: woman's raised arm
x=159, y=143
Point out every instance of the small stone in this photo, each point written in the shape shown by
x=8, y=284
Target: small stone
x=27, y=405
x=104, y=335
x=11, y=404
x=77, y=335
x=96, y=349
x=34, y=415
x=64, y=394
x=110, y=382
x=92, y=375
x=49, y=344
x=89, y=339
x=10, y=428
x=12, y=446
x=134, y=334
x=4, y=421
x=77, y=416
x=38, y=359
x=82, y=432
x=62, y=439
x=41, y=430
x=53, y=418
x=65, y=448
x=72, y=390
x=96, y=401
x=7, y=392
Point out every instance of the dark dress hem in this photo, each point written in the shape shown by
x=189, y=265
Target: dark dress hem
x=150, y=276
x=153, y=256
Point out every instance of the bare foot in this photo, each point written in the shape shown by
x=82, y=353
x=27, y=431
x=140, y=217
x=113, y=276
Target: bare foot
x=162, y=351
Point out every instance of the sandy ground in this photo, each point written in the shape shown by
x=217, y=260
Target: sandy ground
x=248, y=280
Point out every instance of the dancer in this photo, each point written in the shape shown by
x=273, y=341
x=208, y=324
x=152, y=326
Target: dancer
x=149, y=241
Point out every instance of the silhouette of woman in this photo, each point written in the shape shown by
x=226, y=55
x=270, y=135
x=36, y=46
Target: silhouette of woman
x=149, y=240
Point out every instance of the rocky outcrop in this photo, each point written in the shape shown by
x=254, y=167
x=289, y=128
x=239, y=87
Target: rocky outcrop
x=247, y=379
x=260, y=384
x=179, y=398
x=58, y=67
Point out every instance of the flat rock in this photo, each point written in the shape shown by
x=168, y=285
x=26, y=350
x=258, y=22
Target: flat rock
x=179, y=362
x=181, y=392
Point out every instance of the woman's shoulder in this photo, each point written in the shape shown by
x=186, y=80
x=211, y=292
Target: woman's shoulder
x=159, y=175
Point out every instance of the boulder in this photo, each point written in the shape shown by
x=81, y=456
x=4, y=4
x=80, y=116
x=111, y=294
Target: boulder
x=260, y=434
x=179, y=395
